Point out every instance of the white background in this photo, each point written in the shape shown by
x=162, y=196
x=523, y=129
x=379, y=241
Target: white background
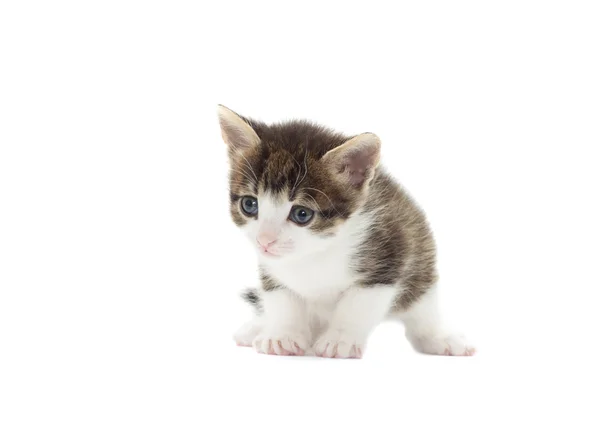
x=120, y=267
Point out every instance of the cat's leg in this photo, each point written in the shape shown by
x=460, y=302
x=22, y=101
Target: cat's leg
x=285, y=329
x=246, y=334
x=425, y=329
x=356, y=314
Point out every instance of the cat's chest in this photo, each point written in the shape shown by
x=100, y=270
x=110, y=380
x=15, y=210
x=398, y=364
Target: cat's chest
x=320, y=279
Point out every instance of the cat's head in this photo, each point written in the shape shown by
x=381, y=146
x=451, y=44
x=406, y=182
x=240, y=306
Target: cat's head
x=292, y=185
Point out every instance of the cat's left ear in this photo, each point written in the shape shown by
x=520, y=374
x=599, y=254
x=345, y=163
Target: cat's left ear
x=354, y=161
x=236, y=131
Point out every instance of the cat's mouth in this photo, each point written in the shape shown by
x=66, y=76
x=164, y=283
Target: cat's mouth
x=267, y=253
x=275, y=251
x=272, y=253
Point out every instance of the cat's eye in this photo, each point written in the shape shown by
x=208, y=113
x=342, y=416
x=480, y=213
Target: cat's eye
x=249, y=206
x=301, y=215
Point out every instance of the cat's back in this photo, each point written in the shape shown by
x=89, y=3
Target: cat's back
x=400, y=247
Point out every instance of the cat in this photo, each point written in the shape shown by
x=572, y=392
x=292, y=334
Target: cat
x=340, y=245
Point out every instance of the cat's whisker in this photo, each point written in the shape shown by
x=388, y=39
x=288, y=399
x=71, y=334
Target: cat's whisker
x=241, y=154
x=297, y=176
x=305, y=163
x=246, y=168
x=315, y=201
x=331, y=202
x=246, y=175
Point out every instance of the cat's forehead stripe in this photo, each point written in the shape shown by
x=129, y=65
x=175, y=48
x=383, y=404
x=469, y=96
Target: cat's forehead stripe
x=279, y=172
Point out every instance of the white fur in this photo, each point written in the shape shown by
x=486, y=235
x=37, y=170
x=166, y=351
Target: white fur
x=358, y=311
x=425, y=330
x=248, y=332
x=285, y=330
x=321, y=306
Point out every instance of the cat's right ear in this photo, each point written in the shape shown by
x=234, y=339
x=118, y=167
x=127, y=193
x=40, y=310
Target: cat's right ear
x=236, y=132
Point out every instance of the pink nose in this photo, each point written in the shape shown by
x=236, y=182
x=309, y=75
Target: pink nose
x=266, y=239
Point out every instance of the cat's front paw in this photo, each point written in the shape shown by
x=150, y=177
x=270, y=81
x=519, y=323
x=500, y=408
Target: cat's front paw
x=280, y=343
x=339, y=344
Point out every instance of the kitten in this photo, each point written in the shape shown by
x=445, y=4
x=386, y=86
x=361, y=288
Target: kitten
x=340, y=245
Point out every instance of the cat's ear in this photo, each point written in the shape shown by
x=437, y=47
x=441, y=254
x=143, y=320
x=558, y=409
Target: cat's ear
x=355, y=160
x=236, y=132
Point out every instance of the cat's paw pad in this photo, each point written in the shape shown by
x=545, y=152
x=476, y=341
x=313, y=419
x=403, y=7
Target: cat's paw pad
x=280, y=344
x=451, y=344
x=246, y=333
x=334, y=344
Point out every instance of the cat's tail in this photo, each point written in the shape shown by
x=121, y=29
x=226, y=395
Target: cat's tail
x=252, y=297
